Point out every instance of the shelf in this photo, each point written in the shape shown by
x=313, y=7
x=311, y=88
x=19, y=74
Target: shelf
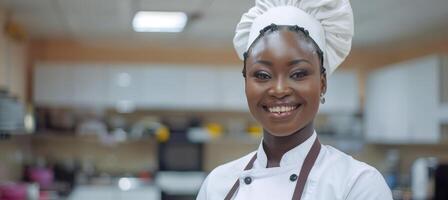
x=64, y=136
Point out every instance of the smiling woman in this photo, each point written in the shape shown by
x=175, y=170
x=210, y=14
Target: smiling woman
x=284, y=82
x=288, y=48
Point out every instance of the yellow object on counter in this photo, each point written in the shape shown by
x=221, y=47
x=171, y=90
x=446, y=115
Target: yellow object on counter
x=214, y=129
x=162, y=134
x=255, y=131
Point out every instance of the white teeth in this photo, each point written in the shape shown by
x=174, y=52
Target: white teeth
x=280, y=109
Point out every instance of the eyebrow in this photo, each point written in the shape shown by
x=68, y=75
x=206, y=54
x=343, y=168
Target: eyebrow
x=293, y=62
x=263, y=62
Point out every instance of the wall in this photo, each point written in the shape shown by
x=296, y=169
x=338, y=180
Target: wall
x=13, y=57
x=66, y=50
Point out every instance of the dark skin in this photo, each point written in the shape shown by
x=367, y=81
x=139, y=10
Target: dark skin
x=283, y=88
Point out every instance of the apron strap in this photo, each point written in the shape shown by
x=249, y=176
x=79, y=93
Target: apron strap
x=237, y=182
x=308, y=163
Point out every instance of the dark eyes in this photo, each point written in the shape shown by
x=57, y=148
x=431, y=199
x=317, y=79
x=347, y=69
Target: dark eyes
x=297, y=75
x=262, y=75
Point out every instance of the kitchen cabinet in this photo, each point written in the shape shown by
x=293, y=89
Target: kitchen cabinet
x=166, y=87
x=124, y=87
x=70, y=85
x=403, y=102
x=160, y=87
x=342, y=94
x=53, y=85
x=231, y=93
x=202, y=88
x=131, y=86
x=89, y=83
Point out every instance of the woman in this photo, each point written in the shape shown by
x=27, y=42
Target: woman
x=288, y=48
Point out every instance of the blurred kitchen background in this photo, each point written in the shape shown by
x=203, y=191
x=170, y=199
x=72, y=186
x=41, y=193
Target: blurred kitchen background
x=92, y=107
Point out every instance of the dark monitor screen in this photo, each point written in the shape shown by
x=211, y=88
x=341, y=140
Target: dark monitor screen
x=180, y=156
x=441, y=182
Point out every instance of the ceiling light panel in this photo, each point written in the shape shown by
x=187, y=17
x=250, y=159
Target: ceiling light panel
x=146, y=21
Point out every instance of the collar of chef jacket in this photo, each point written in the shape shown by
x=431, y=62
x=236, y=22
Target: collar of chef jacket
x=295, y=156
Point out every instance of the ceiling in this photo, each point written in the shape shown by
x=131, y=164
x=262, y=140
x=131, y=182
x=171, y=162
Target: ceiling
x=213, y=21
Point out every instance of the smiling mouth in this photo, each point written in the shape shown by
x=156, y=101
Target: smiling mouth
x=279, y=109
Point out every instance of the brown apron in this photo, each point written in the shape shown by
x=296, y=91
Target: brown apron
x=308, y=163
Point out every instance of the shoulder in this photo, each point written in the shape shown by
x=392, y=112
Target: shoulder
x=358, y=179
x=338, y=160
x=222, y=178
x=232, y=168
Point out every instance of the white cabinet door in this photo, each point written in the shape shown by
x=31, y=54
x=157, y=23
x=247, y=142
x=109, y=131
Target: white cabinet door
x=201, y=87
x=423, y=96
x=122, y=87
x=90, y=85
x=386, y=110
x=70, y=85
x=53, y=85
x=402, y=102
x=231, y=93
x=192, y=87
x=162, y=87
x=342, y=94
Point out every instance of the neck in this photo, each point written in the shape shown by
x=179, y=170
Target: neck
x=275, y=147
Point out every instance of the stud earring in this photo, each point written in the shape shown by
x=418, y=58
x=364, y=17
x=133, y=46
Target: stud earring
x=322, y=98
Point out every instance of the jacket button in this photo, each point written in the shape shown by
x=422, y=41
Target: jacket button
x=293, y=177
x=248, y=180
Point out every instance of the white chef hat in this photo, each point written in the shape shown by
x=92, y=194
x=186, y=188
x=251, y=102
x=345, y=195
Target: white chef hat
x=329, y=23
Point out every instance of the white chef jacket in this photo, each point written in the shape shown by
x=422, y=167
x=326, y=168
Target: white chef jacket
x=334, y=176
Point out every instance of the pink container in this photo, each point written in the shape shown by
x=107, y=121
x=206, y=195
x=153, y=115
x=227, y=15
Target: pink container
x=42, y=176
x=13, y=192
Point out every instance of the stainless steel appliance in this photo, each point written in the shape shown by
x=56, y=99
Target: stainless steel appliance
x=11, y=113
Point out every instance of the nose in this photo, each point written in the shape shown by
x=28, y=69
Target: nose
x=280, y=89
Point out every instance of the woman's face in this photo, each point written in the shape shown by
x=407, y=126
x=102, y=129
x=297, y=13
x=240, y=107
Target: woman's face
x=283, y=82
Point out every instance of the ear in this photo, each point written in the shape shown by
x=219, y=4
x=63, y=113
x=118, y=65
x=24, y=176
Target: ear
x=323, y=83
